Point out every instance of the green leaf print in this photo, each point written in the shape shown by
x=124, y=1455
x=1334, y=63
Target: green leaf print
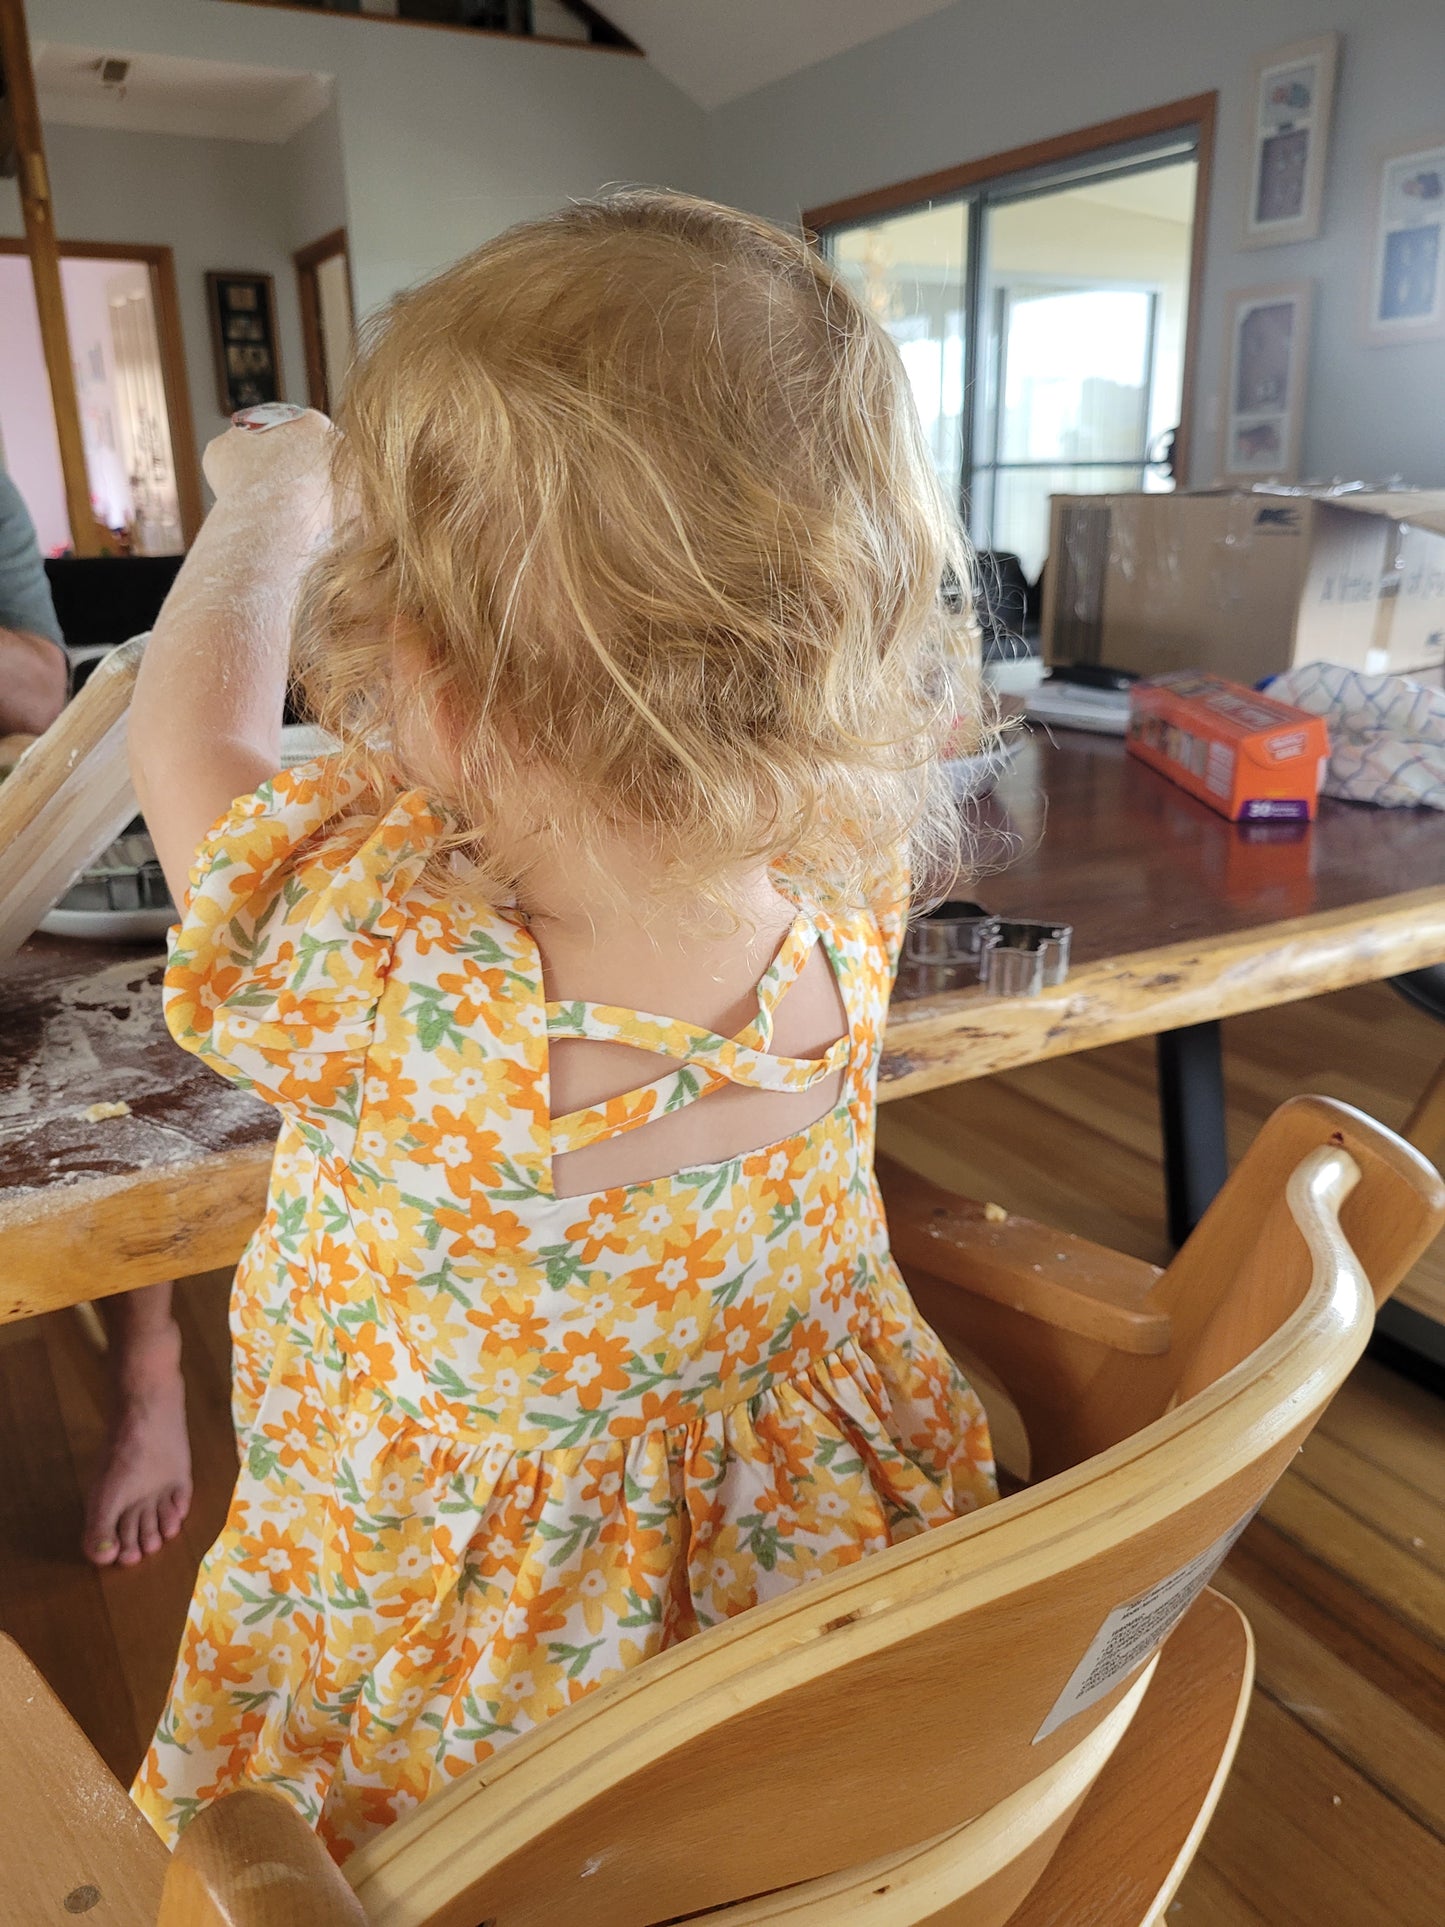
x=580, y=1531
x=309, y=951
x=570, y=1431
x=482, y=1725
x=261, y=1459
x=684, y=1090
x=576, y=1656
x=641, y=1613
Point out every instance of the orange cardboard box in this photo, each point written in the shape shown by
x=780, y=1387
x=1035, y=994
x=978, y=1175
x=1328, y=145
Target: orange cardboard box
x=1251, y=758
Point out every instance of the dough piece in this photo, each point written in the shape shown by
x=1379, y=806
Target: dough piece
x=96, y=1112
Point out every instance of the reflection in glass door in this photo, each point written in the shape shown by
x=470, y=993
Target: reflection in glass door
x=912, y=270
x=1042, y=323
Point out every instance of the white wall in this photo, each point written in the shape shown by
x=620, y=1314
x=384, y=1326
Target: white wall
x=978, y=79
x=215, y=204
x=445, y=138
x=316, y=181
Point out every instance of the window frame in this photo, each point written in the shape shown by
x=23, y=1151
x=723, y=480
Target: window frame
x=1137, y=142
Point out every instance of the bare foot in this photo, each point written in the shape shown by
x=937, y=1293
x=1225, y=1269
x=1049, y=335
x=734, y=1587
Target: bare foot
x=142, y=1492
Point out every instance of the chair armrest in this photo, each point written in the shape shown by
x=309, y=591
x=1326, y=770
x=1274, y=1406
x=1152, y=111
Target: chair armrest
x=1060, y=1280
x=72, y=1838
x=250, y=1860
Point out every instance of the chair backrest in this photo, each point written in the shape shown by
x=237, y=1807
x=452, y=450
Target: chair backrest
x=67, y=798
x=918, y=1689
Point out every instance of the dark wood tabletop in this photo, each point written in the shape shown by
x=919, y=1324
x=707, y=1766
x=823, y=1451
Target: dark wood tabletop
x=1177, y=915
x=1080, y=832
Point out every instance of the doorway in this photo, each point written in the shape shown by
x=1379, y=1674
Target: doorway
x=328, y=316
x=1043, y=304
x=123, y=328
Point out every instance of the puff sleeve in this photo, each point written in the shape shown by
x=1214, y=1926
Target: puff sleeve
x=278, y=963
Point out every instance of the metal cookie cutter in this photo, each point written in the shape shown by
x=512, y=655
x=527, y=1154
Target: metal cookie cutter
x=1026, y=957
x=945, y=949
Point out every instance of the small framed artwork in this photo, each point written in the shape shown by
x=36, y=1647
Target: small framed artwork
x=1407, y=277
x=1294, y=90
x=243, y=331
x=1268, y=359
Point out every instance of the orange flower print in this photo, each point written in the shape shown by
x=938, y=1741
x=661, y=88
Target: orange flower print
x=588, y=1365
x=746, y=1329
x=600, y=1231
x=289, y=1566
x=587, y=1427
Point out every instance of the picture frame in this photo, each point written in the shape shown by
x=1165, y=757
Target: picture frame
x=243, y=336
x=1406, y=283
x=1266, y=368
x=1292, y=100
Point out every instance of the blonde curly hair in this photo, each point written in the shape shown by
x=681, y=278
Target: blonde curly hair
x=641, y=489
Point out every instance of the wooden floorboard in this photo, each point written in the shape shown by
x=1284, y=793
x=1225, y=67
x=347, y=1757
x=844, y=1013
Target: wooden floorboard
x=1336, y=1810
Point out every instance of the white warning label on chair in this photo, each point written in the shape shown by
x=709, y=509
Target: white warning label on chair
x=1134, y=1630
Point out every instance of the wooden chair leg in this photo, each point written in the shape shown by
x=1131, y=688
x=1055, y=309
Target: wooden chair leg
x=251, y=1861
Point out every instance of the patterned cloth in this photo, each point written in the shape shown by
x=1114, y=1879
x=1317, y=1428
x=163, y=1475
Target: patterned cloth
x=1387, y=733
x=498, y=1446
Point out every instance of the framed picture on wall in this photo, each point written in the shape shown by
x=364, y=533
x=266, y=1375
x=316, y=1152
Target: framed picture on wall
x=1266, y=364
x=243, y=332
x=1294, y=90
x=1407, y=275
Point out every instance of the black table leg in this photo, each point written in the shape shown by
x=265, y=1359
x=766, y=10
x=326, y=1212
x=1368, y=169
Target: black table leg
x=1191, y=1111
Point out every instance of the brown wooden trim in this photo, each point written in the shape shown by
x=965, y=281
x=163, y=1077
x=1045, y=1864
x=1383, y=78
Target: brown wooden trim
x=161, y=262
x=178, y=391
x=318, y=389
x=308, y=260
x=1198, y=257
x=44, y=256
x=632, y=51
x=1168, y=119
x=315, y=252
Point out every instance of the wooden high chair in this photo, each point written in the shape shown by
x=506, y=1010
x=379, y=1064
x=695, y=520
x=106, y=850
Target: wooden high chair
x=975, y=1727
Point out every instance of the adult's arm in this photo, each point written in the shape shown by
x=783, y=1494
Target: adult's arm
x=34, y=673
x=205, y=720
x=34, y=678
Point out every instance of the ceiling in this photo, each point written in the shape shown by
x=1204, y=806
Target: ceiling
x=165, y=95
x=715, y=50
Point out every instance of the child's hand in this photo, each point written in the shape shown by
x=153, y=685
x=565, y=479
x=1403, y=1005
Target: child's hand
x=276, y=449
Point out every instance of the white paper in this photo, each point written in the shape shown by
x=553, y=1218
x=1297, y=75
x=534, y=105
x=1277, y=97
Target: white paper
x=1135, y=1630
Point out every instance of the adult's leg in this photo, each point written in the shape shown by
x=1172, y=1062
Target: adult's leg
x=142, y=1492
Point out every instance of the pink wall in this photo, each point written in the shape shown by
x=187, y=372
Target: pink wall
x=27, y=428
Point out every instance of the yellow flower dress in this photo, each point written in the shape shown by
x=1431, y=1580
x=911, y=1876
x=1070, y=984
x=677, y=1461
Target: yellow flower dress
x=497, y=1446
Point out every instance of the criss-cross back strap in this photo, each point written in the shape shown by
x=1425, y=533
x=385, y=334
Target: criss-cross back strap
x=707, y=1061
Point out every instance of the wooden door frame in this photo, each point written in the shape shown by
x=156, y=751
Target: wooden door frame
x=307, y=260
x=37, y=215
x=160, y=261
x=1196, y=113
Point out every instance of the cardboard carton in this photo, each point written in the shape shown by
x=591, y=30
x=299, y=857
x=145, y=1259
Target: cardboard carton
x=1253, y=759
x=1248, y=584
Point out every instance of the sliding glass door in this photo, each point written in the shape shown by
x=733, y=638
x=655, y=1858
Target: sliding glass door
x=1042, y=323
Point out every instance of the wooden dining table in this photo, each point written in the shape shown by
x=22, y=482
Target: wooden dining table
x=1179, y=920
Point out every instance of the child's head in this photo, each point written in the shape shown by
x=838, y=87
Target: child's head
x=646, y=536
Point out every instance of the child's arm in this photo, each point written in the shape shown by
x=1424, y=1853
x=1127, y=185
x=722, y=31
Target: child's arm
x=205, y=721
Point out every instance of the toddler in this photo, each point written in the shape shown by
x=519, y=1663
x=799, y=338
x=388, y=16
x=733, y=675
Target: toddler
x=572, y=1328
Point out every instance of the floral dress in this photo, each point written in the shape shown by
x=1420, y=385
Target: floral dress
x=498, y=1446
